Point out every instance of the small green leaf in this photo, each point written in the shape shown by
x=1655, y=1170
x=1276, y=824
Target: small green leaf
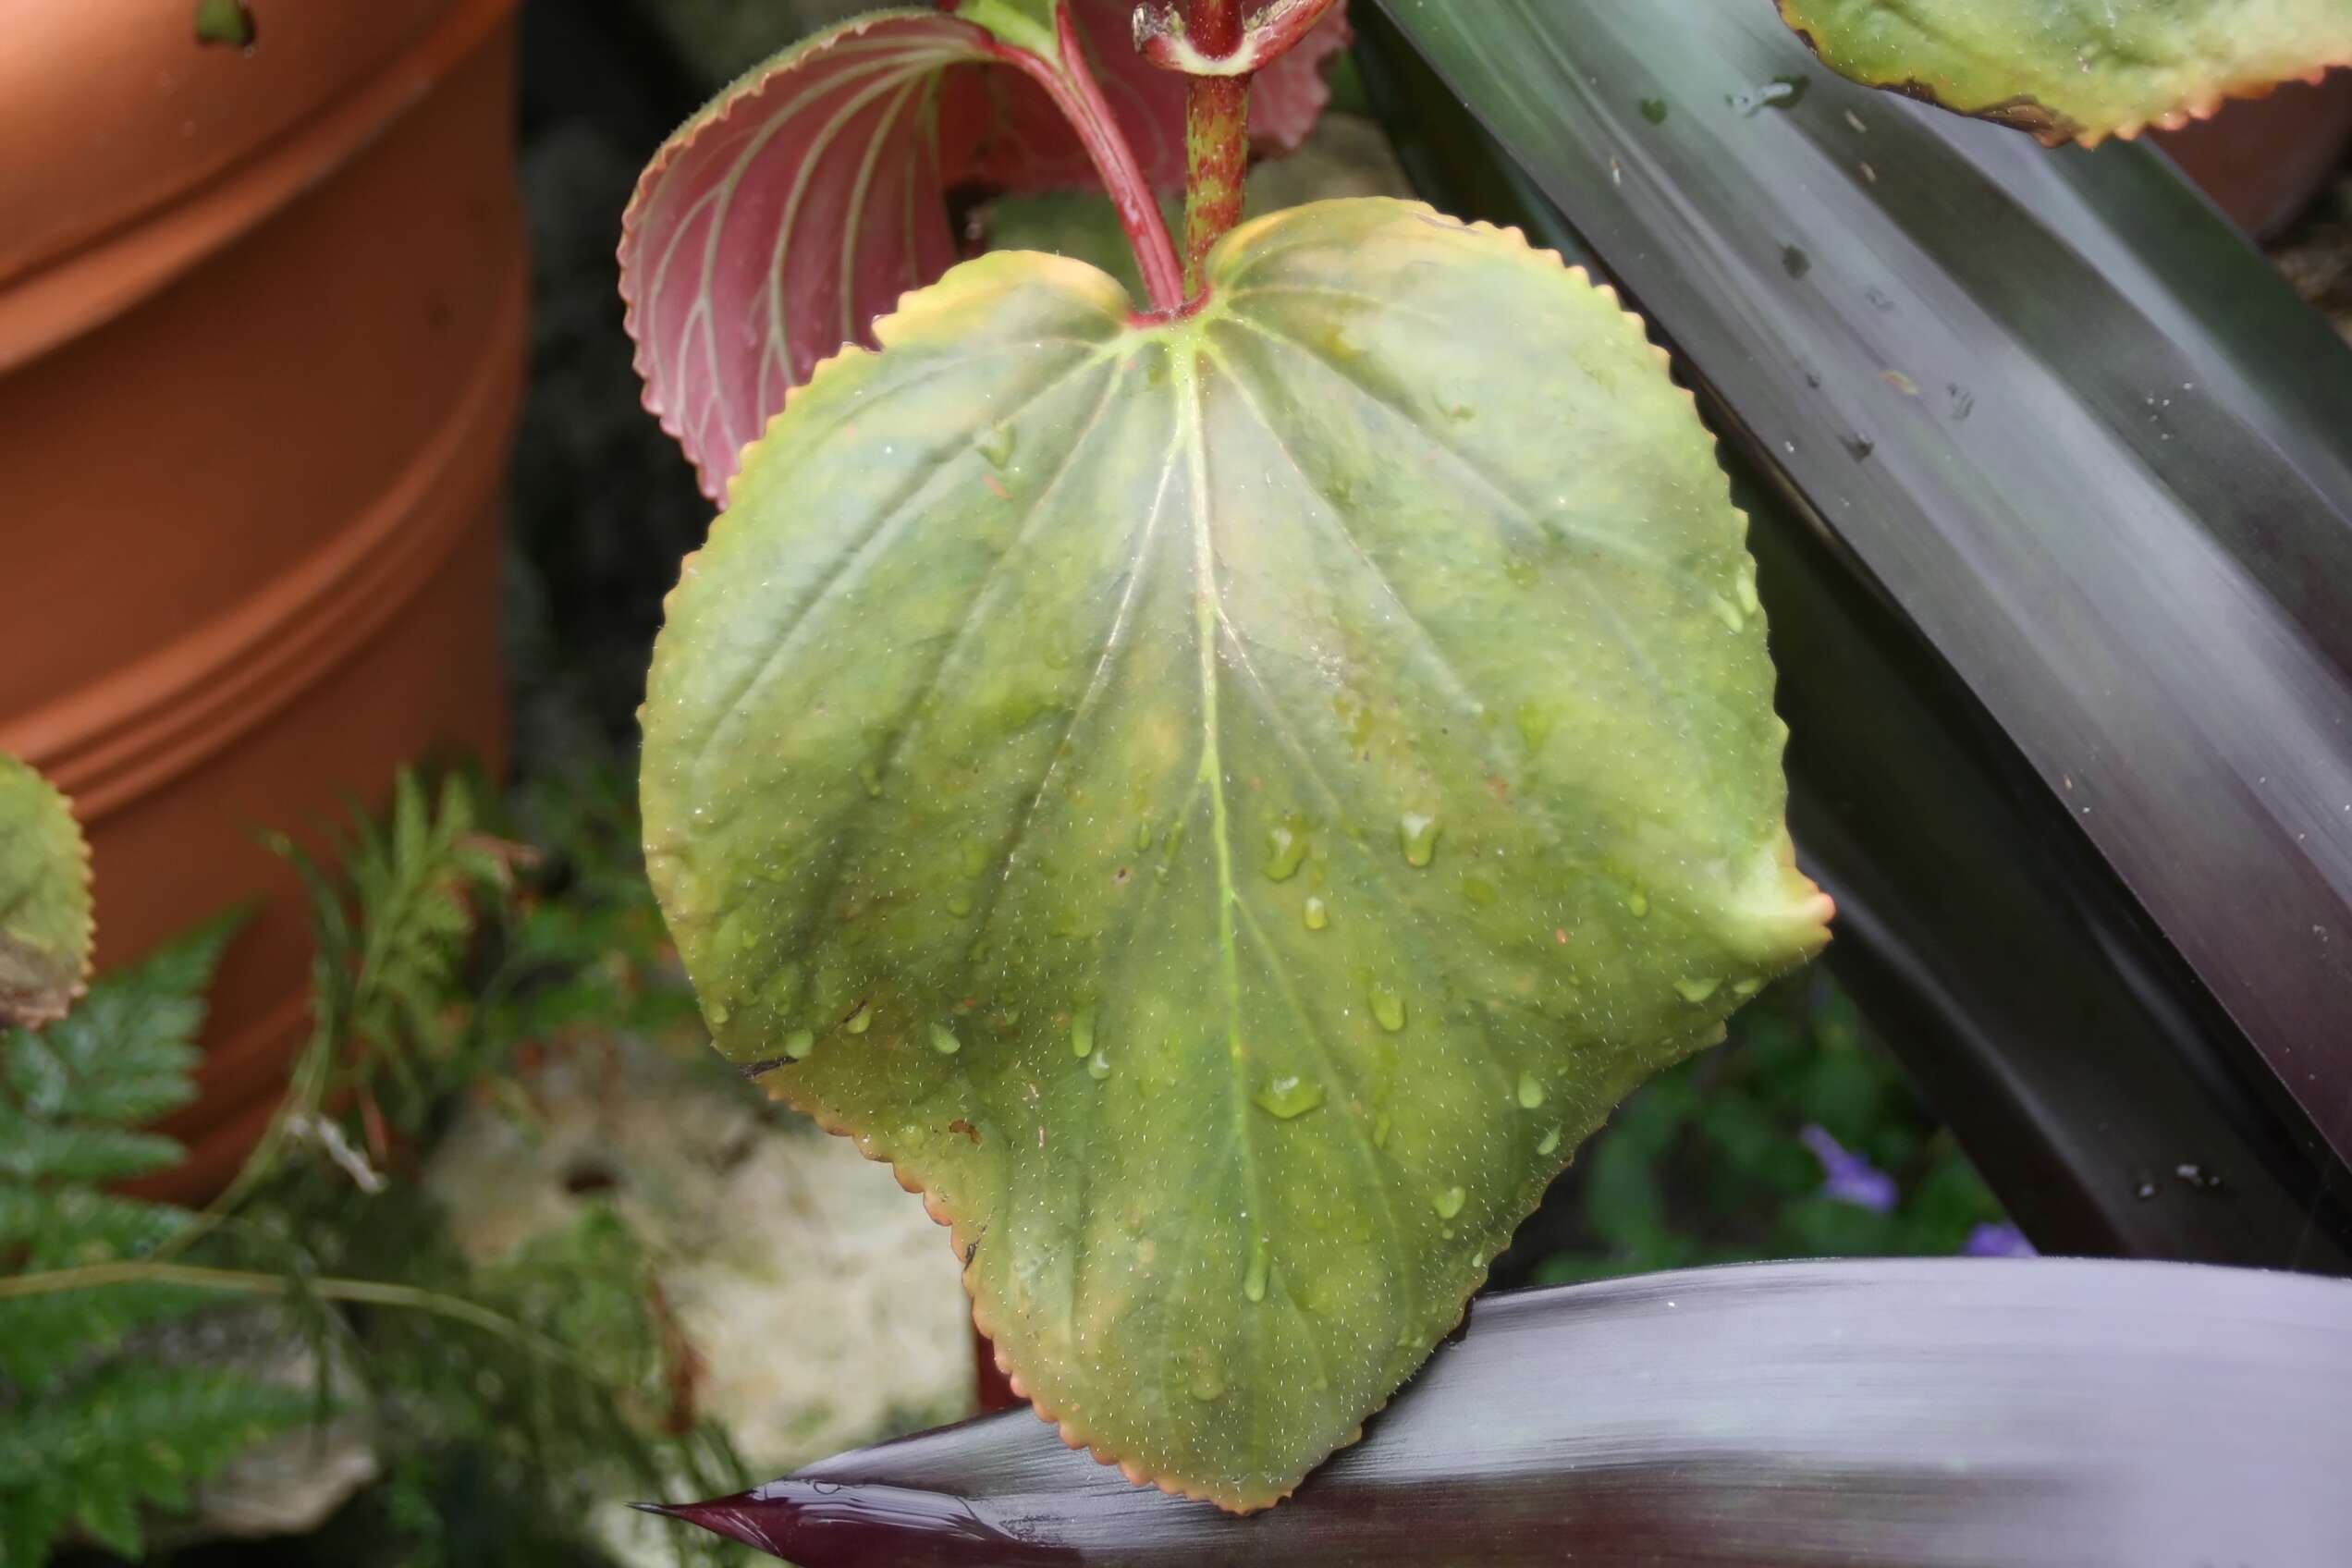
x=1236, y=1118
x=2078, y=69
x=46, y=926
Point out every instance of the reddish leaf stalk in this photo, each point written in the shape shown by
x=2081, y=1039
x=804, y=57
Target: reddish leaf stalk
x=1079, y=97
x=1215, y=139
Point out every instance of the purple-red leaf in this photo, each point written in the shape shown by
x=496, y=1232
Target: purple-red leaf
x=781, y=221
x=799, y=205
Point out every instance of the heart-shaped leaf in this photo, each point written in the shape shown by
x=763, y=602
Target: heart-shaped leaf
x=1224, y=805
x=2078, y=69
x=775, y=225
x=45, y=925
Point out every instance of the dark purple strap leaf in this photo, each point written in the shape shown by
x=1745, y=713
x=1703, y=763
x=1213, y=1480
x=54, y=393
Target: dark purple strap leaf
x=1933, y=1413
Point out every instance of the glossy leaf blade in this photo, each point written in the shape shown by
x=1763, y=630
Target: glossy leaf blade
x=2078, y=69
x=775, y=225
x=46, y=924
x=2051, y=410
x=1897, y=1414
x=1225, y=805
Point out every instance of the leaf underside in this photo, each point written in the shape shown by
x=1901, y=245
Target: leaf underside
x=2078, y=69
x=45, y=925
x=1225, y=806
x=774, y=226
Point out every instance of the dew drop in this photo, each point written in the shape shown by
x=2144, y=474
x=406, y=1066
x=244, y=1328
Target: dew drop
x=746, y=938
x=1419, y=835
x=717, y=1012
x=1696, y=991
x=1099, y=1067
x=862, y=1020
x=1143, y=836
x=1638, y=902
x=1531, y=1094
x=1319, y=914
x=1082, y=1033
x=1746, y=988
x=1745, y=586
x=959, y=904
x=1550, y=1143
x=1288, y=1098
x=1261, y=1264
x=799, y=1042
x=1286, y=848
x=1727, y=612
x=1206, y=1386
x=1388, y=1008
x=1449, y=1203
x=944, y=1041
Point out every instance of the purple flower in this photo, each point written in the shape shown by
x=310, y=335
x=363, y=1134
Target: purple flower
x=1998, y=1240
x=1849, y=1178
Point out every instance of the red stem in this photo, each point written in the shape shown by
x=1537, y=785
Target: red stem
x=1215, y=139
x=1079, y=97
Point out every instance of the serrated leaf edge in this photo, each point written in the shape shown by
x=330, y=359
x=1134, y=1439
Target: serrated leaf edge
x=1071, y=1433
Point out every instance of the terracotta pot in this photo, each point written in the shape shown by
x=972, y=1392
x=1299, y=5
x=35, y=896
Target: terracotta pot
x=261, y=347
x=2263, y=159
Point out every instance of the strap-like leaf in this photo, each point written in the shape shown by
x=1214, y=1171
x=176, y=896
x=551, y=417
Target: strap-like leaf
x=1225, y=805
x=775, y=225
x=2078, y=69
x=46, y=926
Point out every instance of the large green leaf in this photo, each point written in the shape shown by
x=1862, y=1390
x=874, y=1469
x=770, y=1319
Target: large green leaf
x=2078, y=69
x=44, y=900
x=1225, y=805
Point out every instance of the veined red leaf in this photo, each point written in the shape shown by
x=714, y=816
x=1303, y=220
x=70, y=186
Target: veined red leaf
x=775, y=225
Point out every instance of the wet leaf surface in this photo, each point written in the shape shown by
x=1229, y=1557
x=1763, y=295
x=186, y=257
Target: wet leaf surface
x=2084, y=70
x=1226, y=806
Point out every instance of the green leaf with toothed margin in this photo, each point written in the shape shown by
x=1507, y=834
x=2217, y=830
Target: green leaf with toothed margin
x=45, y=925
x=1226, y=806
x=2078, y=69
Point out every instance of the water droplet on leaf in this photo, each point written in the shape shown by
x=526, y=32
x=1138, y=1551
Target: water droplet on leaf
x=1449, y=1203
x=1288, y=1098
x=1531, y=1094
x=959, y=904
x=1419, y=835
x=1638, y=902
x=1261, y=1264
x=1082, y=1033
x=862, y=1020
x=943, y=1040
x=1319, y=914
x=1099, y=1067
x=1696, y=991
x=1286, y=845
x=799, y=1044
x=1388, y=1008
x=1550, y=1143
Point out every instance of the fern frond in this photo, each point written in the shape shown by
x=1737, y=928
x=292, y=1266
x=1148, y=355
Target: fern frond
x=132, y=1434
